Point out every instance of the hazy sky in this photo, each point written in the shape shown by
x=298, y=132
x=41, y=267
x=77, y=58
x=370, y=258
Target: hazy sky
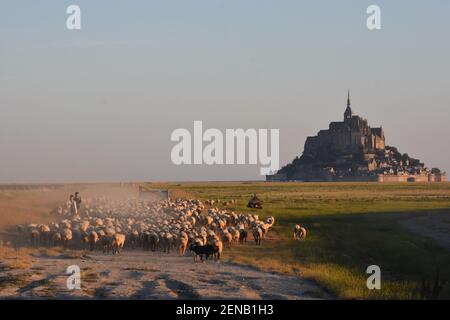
x=100, y=104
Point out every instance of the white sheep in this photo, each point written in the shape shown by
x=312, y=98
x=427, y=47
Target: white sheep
x=118, y=241
x=66, y=236
x=299, y=232
x=183, y=243
x=257, y=235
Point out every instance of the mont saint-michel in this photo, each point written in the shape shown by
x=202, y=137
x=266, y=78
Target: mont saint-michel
x=351, y=150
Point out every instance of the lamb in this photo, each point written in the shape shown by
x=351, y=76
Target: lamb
x=299, y=232
x=118, y=240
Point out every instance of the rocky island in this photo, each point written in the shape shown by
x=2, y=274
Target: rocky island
x=350, y=150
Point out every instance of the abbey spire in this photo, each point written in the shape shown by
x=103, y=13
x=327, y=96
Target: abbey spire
x=348, y=111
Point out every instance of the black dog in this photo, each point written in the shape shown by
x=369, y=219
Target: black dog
x=206, y=250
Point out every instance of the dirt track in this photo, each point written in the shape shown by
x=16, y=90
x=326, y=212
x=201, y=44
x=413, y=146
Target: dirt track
x=140, y=275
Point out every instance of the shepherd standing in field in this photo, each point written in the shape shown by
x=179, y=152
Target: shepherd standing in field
x=72, y=206
x=77, y=200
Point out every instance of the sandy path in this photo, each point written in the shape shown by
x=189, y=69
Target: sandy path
x=140, y=275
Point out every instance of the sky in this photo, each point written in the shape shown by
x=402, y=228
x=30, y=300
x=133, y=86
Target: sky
x=100, y=103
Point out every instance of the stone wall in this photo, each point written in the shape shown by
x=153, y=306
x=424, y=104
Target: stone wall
x=412, y=178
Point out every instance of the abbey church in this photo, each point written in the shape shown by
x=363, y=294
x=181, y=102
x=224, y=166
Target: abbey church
x=350, y=150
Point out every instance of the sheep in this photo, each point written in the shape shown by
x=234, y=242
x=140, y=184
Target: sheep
x=56, y=239
x=167, y=241
x=265, y=229
x=243, y=236
x=154, y=241
x=270, y=220
x=105, y=242
x=183, y=243
x=92, y=239
x=99, y=222
x=222, y=223
x=133, y=238
x=118, y=240
x=35, y=237
x=218, y=248
x=66, y=236
x=163, y=225
x=299, y=232
x=85, y=240
x=45, y=236
x=198, y=242
x=21, y=229
x=257, y=235
x=227, y=238
x=236, y=235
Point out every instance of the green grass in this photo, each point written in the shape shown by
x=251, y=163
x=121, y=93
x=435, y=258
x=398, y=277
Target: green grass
x=351, y=226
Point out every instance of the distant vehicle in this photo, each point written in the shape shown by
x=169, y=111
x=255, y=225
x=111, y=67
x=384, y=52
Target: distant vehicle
x=255, y=203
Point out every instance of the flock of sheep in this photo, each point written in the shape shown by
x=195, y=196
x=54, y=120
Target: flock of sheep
x=166, y=225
